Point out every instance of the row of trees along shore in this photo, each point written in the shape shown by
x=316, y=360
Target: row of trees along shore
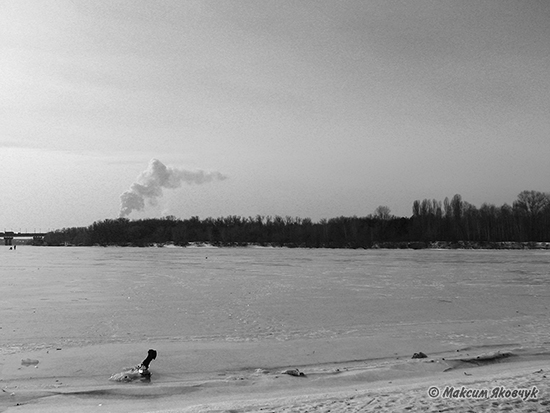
x=451, y=223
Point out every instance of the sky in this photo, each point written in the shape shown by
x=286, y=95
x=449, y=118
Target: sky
x=312, y=109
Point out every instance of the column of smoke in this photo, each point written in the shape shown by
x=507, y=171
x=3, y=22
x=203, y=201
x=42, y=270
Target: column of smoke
x=157, y=176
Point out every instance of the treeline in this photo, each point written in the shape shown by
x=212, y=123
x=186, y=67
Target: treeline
x=450, y=221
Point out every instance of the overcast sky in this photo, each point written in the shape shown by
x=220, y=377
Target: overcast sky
x=308, y=108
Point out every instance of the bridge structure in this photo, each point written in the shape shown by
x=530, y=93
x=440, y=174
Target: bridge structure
x=10, y=235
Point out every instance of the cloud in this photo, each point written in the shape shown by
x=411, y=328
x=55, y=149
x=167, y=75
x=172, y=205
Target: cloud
x=150, y=183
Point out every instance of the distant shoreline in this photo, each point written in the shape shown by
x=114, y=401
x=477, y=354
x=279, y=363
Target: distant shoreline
x=468, y=245
x=416, y=245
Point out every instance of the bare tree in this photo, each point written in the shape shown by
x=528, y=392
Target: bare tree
x=532, y=202
x=383, y=212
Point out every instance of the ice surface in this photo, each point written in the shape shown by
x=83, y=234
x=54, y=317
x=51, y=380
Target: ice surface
x=220, y=314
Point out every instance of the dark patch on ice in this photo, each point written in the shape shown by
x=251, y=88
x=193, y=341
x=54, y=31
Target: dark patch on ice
x=419, y=355
x=479, y=360
x=29, y=362
x=133, y=393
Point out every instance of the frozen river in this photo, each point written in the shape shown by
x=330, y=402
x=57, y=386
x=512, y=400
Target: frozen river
x=80, y=296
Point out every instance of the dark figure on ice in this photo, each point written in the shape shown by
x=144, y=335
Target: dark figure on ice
x=140, y=372
x=144, y=368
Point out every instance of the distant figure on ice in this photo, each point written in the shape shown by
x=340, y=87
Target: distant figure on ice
x=140, y=372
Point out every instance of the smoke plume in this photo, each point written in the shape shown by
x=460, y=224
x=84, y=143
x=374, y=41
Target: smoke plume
x=150, y=182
